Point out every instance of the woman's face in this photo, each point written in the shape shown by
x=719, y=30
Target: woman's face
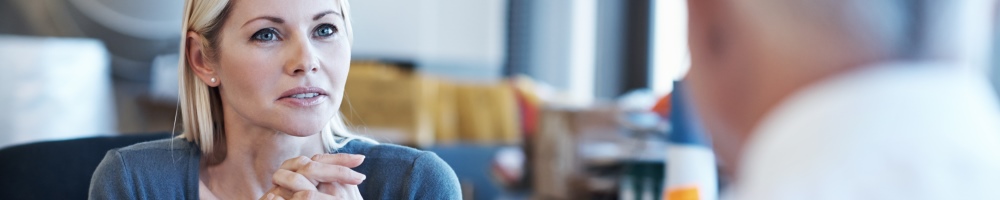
x=283, y=64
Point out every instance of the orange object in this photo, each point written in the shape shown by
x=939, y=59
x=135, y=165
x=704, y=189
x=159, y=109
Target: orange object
x=662, y=107
x=682, y=193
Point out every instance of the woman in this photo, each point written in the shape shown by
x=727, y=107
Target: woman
x=261, y=84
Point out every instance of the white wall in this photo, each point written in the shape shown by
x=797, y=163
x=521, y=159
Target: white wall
x=563, y=39
x=54, y=89
x=671, y=58
x=460, y=38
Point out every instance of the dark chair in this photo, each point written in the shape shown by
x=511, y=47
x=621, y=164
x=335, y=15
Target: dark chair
x=58, y=169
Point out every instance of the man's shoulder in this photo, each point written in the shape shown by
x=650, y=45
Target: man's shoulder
x=907, y=133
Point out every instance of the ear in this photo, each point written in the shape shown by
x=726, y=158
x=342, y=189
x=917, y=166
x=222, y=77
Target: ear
x=198, y=61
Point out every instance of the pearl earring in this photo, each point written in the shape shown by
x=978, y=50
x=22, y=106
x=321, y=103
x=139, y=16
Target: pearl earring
x=213, y=80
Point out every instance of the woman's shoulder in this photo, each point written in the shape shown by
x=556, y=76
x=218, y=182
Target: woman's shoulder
x=399, y=172
x=157, y=150
x=159, y=145
x=381, y=150
x=394, y=155
x=168, y=153
x=163, y=152
x=171, y=155
x=167, y=164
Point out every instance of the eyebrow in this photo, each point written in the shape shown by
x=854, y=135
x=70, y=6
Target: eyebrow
x=281, y=21
x=324, y=13
x=268, y=18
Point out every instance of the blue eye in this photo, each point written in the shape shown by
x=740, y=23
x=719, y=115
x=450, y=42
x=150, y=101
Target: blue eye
x=325, y=30
x=265, y=35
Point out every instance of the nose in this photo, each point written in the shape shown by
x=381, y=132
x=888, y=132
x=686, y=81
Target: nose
x=302, y=58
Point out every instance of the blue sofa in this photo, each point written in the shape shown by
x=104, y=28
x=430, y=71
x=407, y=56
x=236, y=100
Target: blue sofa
x=58, y=169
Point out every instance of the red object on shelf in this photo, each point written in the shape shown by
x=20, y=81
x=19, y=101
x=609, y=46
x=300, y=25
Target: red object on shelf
x=529, y=115
x=662, y=107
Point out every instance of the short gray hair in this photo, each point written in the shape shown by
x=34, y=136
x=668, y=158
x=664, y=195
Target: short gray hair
x=906, y=28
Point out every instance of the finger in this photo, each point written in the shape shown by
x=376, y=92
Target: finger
x=295, y=163
x=339, y=190
x=335, y=189
x=292, y=181
x=204, y=192
x=267, y=196
x=343, y=159
x=352, y=192
x=321, y=173
x=281, y=192
x=312, y=195
x=271, y=196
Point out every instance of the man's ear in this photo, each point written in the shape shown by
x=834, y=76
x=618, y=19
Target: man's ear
x=198, y=60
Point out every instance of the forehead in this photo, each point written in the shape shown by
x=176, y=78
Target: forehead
x=290, y=10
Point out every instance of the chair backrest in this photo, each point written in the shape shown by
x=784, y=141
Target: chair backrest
x=58, y=169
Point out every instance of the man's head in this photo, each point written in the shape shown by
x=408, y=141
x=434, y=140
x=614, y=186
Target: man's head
x=748, y=55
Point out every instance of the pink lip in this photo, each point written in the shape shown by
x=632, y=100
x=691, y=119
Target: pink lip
x=286, y=97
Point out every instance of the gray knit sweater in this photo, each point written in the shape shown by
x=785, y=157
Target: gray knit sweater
x=168, y=169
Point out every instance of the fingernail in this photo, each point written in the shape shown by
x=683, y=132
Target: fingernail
x=360, y=177
x=357, y=157
x=269, y=196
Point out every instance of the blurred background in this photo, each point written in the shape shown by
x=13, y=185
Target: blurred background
x=554, y=99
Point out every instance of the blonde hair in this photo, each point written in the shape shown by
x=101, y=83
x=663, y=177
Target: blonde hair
x=200, y=105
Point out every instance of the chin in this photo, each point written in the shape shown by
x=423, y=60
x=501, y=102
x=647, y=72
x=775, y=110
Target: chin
x=305, y=132
x=301, y=124
x=302, y=128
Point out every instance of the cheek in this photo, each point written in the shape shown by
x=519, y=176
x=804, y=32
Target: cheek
x=247, y=76
x=702, y=89
x=338, y=67
x=714, y=83
x=721, y=90
x=719, y=72
x=706, y=90
x=703, y=77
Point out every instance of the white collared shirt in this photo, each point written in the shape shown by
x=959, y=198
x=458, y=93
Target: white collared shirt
x=889, y=131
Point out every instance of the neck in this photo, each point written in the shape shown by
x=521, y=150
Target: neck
x=253, y=154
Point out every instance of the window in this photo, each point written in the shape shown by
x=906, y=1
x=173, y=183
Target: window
x=670, y=56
